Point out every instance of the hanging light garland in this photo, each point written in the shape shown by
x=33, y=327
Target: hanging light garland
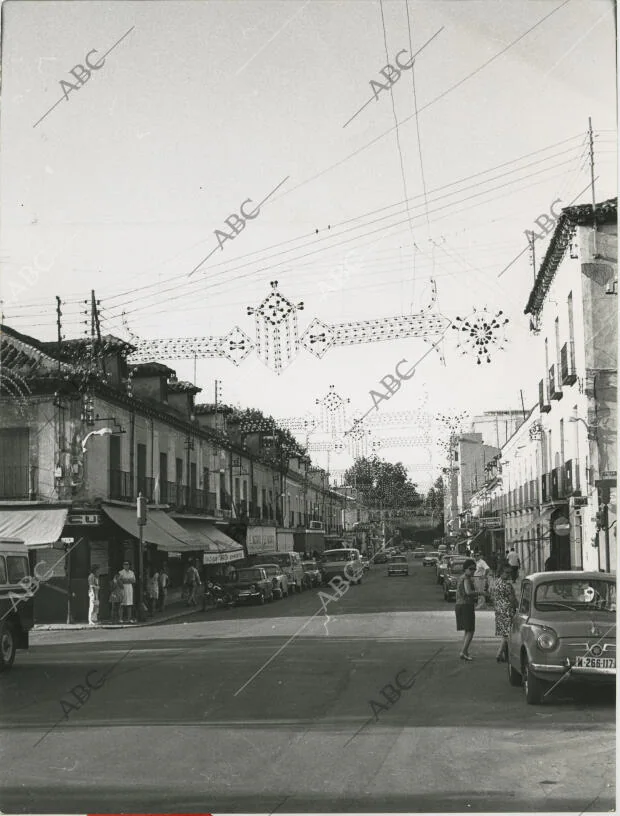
x=479, y=333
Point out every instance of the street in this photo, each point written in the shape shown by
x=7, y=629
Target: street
x=227, y=711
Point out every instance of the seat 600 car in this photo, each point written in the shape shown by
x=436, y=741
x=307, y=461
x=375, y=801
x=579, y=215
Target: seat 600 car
x=344, y=563
x=564, y=630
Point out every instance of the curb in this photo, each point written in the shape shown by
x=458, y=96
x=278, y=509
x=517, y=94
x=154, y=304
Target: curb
x=70, y=627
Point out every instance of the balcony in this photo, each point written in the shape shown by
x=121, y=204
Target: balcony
x=557, y=485
x=555, y=389
x=17, y=482
x=572, y=485
x=543, y=402
x=145, y=486
x=567, y=363
x=121, y=487
x=545, y=493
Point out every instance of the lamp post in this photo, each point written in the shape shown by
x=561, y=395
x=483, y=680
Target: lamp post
x=141, y=521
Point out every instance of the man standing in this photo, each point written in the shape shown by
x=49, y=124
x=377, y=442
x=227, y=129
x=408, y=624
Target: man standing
x=128, y=579
x=93, y=595
x=480, y=579
x=192, y=578
x=514, y=563
x=164, y=581
x=465, y=607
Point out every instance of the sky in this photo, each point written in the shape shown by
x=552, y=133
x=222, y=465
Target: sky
x=199, y=106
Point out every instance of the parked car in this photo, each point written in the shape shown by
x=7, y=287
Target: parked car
x=278, y=578
x=381, y=558
x=290, y=563
x=16, y=599
x=430, y=559
x=419, y=552
x=251, y=585
x=312, y=573
x=451, y=562
x=450, y=580
x=565, y=626
x=333, y=563
x=366, y=563
x=398, y=565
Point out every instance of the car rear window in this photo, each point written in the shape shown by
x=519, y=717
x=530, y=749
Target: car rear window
x=338, y=555
x=399, y=559
x=249, y=575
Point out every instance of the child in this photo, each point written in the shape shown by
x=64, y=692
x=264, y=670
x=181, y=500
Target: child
x=116, y=597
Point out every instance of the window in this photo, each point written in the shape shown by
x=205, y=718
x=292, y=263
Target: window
x=2, y=570
x=526, y=598
x=192, y=476
x=17, y=567
x=14, y=463
x=179, y=471
x=571, y=326
x=141, y=468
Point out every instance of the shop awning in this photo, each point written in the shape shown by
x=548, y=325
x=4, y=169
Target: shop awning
x=36, y=526
x=219, y=548
x=159, y=529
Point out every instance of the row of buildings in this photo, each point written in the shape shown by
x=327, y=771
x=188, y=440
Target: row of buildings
x=549, y=490
x=83, y=433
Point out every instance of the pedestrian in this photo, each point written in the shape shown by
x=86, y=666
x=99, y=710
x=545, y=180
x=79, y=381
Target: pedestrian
x=192, y=580
x=480, y=579
x=164, y=583
x=551, y=564
x=93, y=595
x=465, y=607
x=116, y=598
x=514, y=562
x=128, y=579
x=505, y=602
x=153, y=591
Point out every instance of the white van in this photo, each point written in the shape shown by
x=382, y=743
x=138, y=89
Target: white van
x=346, y=563
x=290, y=562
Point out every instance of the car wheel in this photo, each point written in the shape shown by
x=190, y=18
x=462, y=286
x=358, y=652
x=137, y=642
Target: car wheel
x=7, y=646
x=532, y=686
x=514, y=678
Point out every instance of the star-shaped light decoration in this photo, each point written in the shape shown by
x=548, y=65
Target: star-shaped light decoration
x=480, y=333
x=277, y=335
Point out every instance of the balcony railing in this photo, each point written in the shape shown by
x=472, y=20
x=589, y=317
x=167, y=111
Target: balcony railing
x=17, y=482
x=145, y=486
x=543, y=402
x=567, y=363
x=121, y=487
x=555, y=389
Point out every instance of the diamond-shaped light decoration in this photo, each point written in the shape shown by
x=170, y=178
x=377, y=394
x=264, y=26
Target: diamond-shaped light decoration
x=235, y=345
x=277, y=338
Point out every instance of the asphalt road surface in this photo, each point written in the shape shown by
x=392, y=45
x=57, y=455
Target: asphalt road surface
x=277, y=708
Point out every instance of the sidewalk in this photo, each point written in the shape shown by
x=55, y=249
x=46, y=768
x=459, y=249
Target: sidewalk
x=175, y=609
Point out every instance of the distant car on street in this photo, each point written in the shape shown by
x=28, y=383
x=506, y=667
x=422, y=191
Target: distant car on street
x=398, y=565
x=334, y=562
x=312, y=573
x=252, y=585
x=564, y=627
x=419, y=552
x=430, y=559
x=278, y=579
x=450, y=579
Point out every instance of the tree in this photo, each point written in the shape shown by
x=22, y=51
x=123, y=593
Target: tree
x=383, y=484
x=434, y=498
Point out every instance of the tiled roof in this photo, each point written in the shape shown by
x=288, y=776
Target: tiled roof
x=182, y=387
x=152, y=370
x=211, y=408
x=580, y=215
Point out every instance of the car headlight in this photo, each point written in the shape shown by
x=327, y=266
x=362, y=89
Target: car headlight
x=253, y=587
x=547, y=640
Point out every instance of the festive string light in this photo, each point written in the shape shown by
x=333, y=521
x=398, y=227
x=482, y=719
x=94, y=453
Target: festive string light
x=481, y=332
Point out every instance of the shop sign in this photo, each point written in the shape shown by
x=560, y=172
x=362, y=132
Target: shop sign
x=561, y=526
x=261, y=539
x=491, y=521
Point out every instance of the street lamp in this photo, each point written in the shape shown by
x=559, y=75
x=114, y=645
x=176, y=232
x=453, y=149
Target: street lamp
x=99, y=432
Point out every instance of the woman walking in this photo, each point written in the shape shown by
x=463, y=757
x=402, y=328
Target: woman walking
x=466, y=596
x=505, y=602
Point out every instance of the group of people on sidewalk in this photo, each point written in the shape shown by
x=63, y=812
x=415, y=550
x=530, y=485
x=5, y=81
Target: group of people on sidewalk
x=471, y=593
x=122, y=607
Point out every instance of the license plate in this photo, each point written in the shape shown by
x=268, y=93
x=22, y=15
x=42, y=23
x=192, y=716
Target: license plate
x=595, y=663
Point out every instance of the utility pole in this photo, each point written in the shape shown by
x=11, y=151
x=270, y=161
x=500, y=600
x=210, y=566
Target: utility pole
x=591, y=140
